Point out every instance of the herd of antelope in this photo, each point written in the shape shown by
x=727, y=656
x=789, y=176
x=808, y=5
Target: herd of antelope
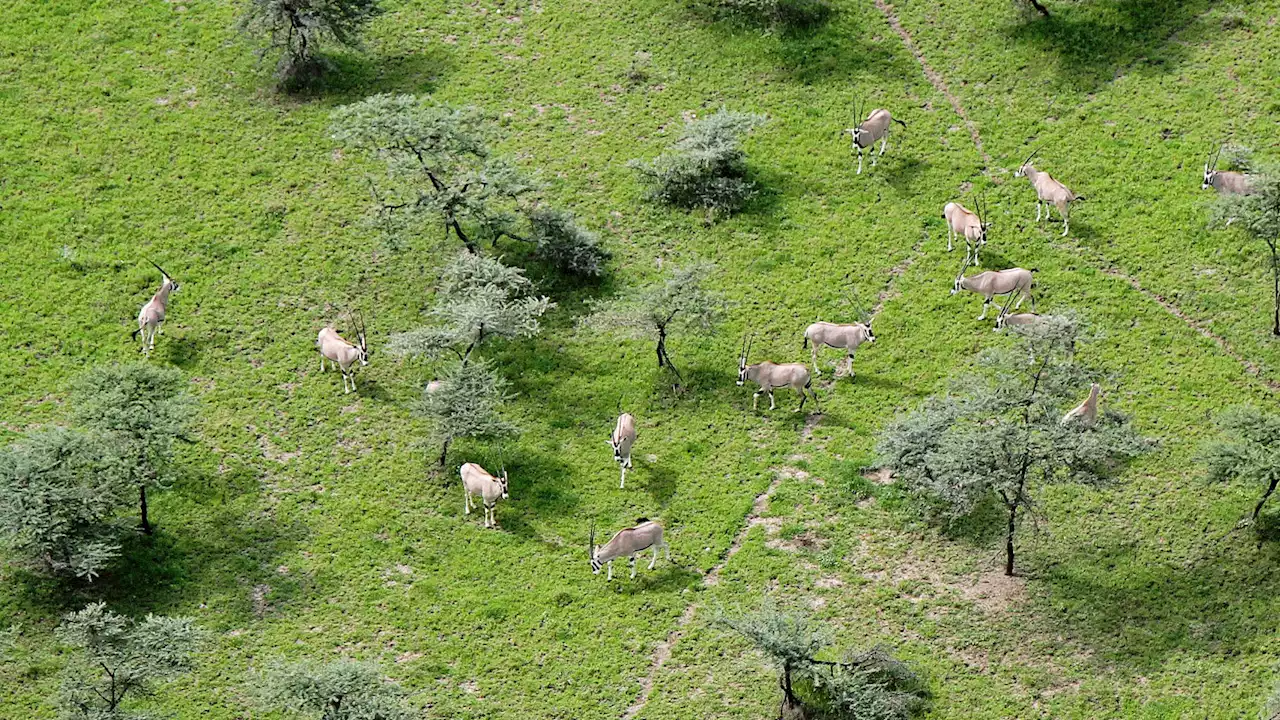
x=971, y=225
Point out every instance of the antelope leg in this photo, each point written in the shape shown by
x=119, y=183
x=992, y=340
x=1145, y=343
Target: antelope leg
x=1037, y=211
x=667, y=549
x=755, y=399
x=816, y=371
x=623, y=482
x=1021, y=297
x=771, y=403
x=983, y=316
x=466, y=503
x=610, y=575
x=884, y=143
x=655, y=557
x=1064, y=227
x=633, y=567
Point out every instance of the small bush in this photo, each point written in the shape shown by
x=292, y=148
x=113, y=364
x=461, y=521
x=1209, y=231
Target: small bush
x=706, y=167
x=781, y=13
x=567, y=246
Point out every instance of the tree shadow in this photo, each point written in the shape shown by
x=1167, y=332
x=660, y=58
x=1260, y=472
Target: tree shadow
x=904, y=176
x=669, y=578
x=349, y=77
x=660, y=482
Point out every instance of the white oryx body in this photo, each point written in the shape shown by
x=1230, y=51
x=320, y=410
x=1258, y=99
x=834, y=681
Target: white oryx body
x=629, y=543
x=477, y=481
x=1049, y=192
x=1225, y=182
x=997, y=282
x=966, y=223
x=1086, y=413
x=874, y=129
x=151, y=316
x=769, y=376
x=623, y=437
x=339, y=352
x=848, y=337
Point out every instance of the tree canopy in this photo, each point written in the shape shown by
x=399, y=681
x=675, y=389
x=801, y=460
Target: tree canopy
x=295, y=29
x=338, y=690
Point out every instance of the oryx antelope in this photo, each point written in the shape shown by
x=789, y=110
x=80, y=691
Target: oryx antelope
x=151, y=316
x=477, y=481
x=848, y=337
x=769, y=376
x=1086, y=412
x=968, y=224
x=996, y=282
x=1004, y=319
x=1226, y=182
x=339, y=352
x=874, y=128
x=623, y=437
x=1049, y=192
x=628, y=543
x=434, y=385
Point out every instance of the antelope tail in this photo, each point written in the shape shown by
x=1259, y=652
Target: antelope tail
x=904, y=125
x=134, y=335
x=1078, y=198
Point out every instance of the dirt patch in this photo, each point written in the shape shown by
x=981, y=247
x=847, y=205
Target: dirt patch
x=994, y=591
x=882, y=476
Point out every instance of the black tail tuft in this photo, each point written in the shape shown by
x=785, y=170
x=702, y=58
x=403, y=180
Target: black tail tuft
x=805, y=344
x=1078, y=198
x=904, y=125
x=134, y=335
x=642, y=520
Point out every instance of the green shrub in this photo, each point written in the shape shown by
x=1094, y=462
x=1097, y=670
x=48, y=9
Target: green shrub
x=706, y=167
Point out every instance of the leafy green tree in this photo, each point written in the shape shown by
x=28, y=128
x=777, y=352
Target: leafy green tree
x=681, y=300
x=295, y=29
x=439, y=173
x=863, y=685
x=1258, y=216
x=140, y=409
x=116, y=661
x=338, y=690
x=1248, y=448
x=996, y=435
x=706, y=167
x=466, y=402
x=61, y=493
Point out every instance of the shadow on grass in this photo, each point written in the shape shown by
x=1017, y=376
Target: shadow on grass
x=667, y=578
x=660, y=482
x=349, y=77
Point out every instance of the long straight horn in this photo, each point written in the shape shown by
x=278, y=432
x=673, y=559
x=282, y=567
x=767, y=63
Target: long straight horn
x=162, y=272
x=1033, y=154
x=591, y=541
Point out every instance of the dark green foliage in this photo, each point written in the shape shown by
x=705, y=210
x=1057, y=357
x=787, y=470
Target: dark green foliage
x=706, y=167
x=140, y=409
x=467, y=402
x=781, y=13
x=439, y=174
x=996, y=434
x=1258, y=215
x=116, y=661
x=295, y=29
x=1248, y=448
x=61, y=493
x=338, y=690
x=862, y=685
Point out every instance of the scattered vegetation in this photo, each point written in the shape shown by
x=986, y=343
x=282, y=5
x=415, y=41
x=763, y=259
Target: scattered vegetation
x=1248, y=448
x=1258, y=216
x=338, y=690
x=294, y=29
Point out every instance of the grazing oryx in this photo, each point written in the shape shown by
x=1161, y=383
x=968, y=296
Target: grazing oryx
x=875, y=127
x=1049, y=192
x=477, y=481
x=434, y=385
x=996, y=282
x=968, y=224
x=623, y=437
x=1087, y=411
x=343, y=354
x=1226, y=182
x=628, y=543
x=1004, y=319
x=769, y=376
x=848, y=337
x=151, y=317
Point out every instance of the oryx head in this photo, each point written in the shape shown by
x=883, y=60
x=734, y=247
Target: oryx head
x=1211, y=169
x=957, y=286
x=980, y=203
x=502, y=482
x=869, y=336
x=362, y=344
x=857, y=131
x=166, y=279
x=592, y=551
x=742, y=360
x=1022, y=169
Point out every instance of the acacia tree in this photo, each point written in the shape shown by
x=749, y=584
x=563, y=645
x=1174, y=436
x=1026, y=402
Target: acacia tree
x=438, y=172
x=1247, y=449
x=295, y=28
x=863, y=685
x=141, y=409
x=996, y=435
x=117, y=660
x=478, y=299
x=338, y=690
x=681, y=300
x=1258, y=215
x=61, y=493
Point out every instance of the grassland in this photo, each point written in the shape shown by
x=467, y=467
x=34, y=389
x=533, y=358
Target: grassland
x=306, y=523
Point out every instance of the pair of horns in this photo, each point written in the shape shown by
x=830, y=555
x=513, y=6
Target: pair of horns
x=1214, y=155
x=746, y=346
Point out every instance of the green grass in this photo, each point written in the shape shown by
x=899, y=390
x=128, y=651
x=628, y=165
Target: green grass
x=306, y=523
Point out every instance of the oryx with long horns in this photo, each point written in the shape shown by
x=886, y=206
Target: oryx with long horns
x=847, y=336
x=345, y=355
x=769, y=376
x=151, y=316
x=621, y=440
x=970, y=225
x=996, y=282
x=1049, y=192
x=868, y=132
x=477, y=481
x=1225, y=182
x=628, y=543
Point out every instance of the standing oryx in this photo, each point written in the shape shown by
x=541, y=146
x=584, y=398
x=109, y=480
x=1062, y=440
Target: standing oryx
x=338, y=351
x=151, y=317
x=623, y=437
x=996, y=282
x=848, y=337
x=1225, y=182
x=477, y=481
x=874, y=128
x=628, y=543
x=769, y=376
x=1086, y=412
x=968, y=224
x=1049, y=192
